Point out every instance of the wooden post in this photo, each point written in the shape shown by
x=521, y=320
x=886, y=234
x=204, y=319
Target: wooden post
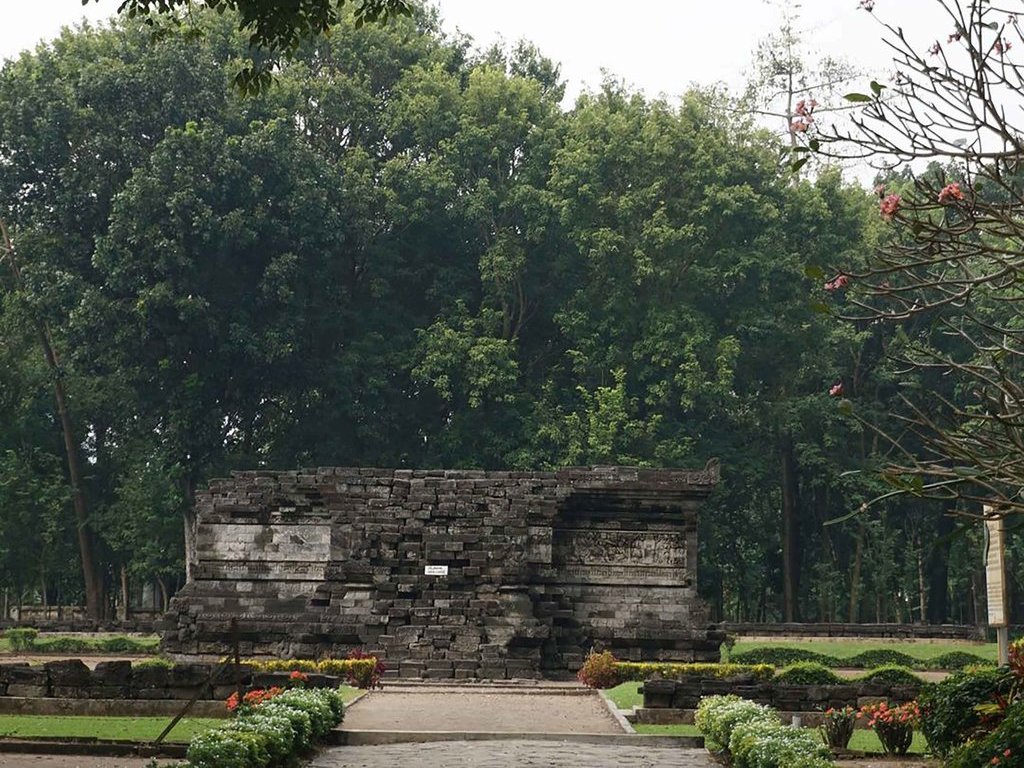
x=995, y=582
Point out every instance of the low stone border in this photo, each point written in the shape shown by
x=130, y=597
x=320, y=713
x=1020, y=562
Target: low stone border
x=91, y=747
x=354, y=738
x=686, y=693
x=72, y=679
x=17, y=705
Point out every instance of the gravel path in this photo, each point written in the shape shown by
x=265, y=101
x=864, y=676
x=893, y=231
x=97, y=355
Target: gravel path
x=455, y=709
x=74, y=761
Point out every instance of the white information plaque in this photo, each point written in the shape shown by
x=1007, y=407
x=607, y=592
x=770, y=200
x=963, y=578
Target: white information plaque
x=435, y=570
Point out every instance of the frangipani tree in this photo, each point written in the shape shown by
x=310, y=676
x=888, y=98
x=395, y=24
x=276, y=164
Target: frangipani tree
x=949, y=274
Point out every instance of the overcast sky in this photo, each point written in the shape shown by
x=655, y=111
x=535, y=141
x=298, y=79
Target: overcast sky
x=661, y=46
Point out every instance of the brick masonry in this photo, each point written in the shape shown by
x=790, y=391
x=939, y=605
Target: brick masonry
x=541, y=567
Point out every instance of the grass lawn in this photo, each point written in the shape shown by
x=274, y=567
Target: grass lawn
x=101, y=643
x=118, y=728
x=626, y=695
x=847, y=648
x=667, y=730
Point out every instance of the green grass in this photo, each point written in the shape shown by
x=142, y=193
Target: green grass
x=116, y=728
x=667, y=730
x=862, y=741
x=348, y=693
x=867, y=741
x=847, y=648
x=626, y=695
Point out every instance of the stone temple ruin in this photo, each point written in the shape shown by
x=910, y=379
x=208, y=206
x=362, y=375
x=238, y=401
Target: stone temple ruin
x=450, y=573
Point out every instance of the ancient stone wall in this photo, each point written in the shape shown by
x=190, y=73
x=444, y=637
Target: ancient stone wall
x=450, y=573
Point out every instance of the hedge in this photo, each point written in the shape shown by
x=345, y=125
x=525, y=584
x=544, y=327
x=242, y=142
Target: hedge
x=783, y=657
x=948, y=714
x=362, y=673
x=643, y=671
x=807, y=673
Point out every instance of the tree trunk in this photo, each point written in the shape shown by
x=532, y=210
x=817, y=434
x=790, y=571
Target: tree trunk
x=858, y=557
x=938, y=572
x=189, y=523
x=125, y=595
x=922, y=590
x=790, y=531
x=164, y=597
x=90, y=572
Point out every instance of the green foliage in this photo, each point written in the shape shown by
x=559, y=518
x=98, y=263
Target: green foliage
x=21, y=638
x=880, y=657
x=765, y=744
x=957, y=660
x=806, y=673
x=155, y=662
x=948, y=714
x=634, y=670
x=1003, y=747
x=717, y=716
x=892, y=674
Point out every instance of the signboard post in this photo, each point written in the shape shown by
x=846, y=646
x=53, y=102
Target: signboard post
x=995, y=582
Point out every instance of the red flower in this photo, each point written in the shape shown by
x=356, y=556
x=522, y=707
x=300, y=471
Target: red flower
x=837, y=282
x=836, y=390
x=950, y=192
x=299, y=676
x=889, y=206
x=232, y=702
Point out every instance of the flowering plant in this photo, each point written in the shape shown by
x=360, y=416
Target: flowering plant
x=837, y=726
x=298, y=678
x=894, y=725
x=252, y=698
x=365, y=676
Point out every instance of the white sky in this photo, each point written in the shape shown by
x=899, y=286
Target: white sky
x=661, y=46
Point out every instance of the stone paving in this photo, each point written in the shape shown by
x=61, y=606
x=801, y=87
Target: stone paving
x=502, y=754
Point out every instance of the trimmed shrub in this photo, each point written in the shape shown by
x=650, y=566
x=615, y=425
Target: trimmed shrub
x=881, y=657
x=302, y=725
x=1003, y=747
x=217, y=748
x=948, y=715
x=956, y=660
x=599, y=670
x=782, y=657
x=321, y=715
x=717, y=716
x=21, y=638
x=762, y=744
x=643, y=671
x=269, y=733
x=807, y=673
x=62, y=645
x=156, y=662
x=891, y=674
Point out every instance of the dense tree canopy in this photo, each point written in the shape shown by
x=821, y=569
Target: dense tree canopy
x=405, y=253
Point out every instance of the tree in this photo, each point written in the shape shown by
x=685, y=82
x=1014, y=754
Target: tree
x=949, y=274
x=274, y=28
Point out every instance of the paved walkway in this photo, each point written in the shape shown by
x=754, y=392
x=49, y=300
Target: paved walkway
x=399, y=708
x=502, y=754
